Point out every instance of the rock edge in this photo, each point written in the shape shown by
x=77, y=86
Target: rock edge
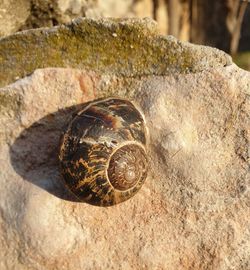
x=127, y=47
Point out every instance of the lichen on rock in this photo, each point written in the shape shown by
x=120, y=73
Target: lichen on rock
x=128, y=47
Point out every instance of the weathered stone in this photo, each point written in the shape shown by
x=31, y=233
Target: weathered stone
x=17, y=15
x=193, y=211
x=53, y=12
x=13, y=14
x=124, y=47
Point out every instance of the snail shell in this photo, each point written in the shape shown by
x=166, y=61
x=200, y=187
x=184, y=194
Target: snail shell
x=103, y=152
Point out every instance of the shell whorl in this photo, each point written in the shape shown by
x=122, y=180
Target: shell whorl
x=103, y=152
x=127, y=166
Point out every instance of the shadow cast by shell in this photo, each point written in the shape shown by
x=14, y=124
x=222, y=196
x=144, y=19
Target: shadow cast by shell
x=34, y=154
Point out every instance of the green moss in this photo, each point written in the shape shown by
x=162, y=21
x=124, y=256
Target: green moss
x=123, y=47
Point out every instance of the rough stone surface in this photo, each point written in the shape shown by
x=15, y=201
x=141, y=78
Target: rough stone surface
x=193, y=211
x=16, y=15
x=129, y=47
x=13, y=14
x=53, y=12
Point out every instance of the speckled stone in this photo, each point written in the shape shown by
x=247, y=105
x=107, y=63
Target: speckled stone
x=191, y=213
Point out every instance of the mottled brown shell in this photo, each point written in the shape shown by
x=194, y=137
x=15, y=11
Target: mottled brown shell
x=103, y=152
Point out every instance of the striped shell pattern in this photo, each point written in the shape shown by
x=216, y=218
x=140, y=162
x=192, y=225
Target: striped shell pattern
x=103, y=152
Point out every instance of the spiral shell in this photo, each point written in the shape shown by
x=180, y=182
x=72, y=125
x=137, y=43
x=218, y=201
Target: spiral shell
x=103, y=152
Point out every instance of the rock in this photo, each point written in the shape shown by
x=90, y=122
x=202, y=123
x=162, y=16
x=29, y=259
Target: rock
x=53, y=12
x=129, y=47
x=192, y=212
x=27, y=14
x=13, y=14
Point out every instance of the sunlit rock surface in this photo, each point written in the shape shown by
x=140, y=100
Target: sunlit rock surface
x=193, y=210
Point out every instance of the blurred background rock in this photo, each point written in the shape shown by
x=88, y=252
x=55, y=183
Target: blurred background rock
x=224, y=24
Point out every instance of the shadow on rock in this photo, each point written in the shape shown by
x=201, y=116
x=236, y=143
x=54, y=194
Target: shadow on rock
x=34, y=154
